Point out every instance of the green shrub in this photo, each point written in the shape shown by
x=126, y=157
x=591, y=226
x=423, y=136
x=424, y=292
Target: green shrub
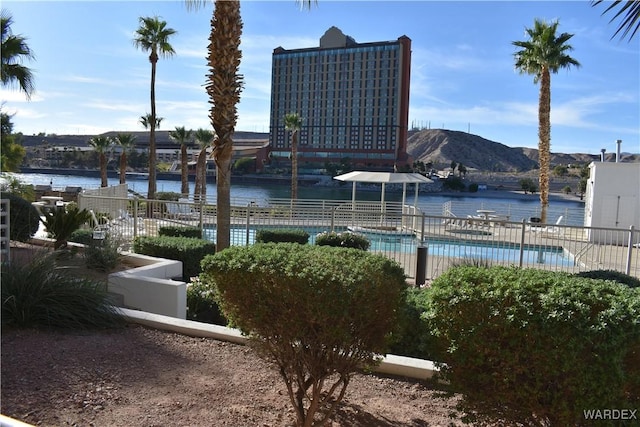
x=533, y=347
x=473, y=187
x=61, y=223
x=616, y=276
x=319, y=313
x=201, y=303
x=38, y=294
x=343, y=240
x=82, y=236
x=102, y=255
x=188, y=250
x=282, y=236
x=24, y=218
x=180, y=231
x=168, y=195
x=453, y=183
x=414, y=337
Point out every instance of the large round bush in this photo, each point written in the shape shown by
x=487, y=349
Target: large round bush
x=23, y=216
x=536, y=347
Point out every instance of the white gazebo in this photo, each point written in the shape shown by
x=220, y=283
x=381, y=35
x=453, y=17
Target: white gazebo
x=384, y=178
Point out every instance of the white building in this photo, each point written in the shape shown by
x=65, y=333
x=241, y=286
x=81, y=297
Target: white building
x=613, y=198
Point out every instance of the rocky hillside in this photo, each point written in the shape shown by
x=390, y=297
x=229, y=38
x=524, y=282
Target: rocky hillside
x=442, y=146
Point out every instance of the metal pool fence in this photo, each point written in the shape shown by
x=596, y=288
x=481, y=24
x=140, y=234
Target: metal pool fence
x=425, y=245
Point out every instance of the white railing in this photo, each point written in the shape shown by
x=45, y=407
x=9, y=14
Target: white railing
x=397, y=232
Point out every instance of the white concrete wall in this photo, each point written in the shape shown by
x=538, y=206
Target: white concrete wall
x=150, y=288
x=612, y=198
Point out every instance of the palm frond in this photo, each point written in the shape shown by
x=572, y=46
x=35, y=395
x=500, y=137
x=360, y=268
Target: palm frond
x=628, y=11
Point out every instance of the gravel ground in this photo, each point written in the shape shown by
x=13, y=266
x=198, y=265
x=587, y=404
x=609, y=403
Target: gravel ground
x=138, y=376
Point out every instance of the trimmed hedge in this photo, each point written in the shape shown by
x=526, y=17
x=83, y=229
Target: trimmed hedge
x=282, y=236
x=188, y=250
x=24, y=218
x=616, y=276
x=536, y=347
x=343, y=240
x=180, y=231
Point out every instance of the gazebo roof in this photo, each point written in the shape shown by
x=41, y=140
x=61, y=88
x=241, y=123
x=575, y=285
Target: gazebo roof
x=383, y=177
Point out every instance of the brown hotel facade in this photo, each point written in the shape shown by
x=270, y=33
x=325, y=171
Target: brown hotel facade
x=353, y=99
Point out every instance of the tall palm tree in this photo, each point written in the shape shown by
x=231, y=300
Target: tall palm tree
x=102, y=144
x=153, y=36
x=183, y=137
x=13, y=51
x=204, y=139
x=293, y=123
x=629, y=11
x=224, y=86
x=542, y=54
x=127, y=142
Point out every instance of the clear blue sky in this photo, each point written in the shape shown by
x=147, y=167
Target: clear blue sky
x=91, y=79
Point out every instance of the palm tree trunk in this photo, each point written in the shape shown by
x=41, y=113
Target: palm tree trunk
x=123, y=168
x=151, y=193
x=184, y=171
x=223, y=197
x=224, y=87
x=294, y=166
x=544, y=140
x=200, y=190
x=103, y=170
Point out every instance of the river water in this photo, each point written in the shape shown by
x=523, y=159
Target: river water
x=431, y=203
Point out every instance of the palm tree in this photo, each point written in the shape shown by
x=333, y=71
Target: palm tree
x=630, y=9
x=292, y=123
x=204, y=139
x=127, y=142
x=153, y=36
x=540, y=55
x=145, y=121
x=183, y=137
x=224, y=86
x=13, y=52
x=101, y=144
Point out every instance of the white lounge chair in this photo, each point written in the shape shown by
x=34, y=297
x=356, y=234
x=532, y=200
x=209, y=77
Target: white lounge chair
x=550, y=229
x=180, y=211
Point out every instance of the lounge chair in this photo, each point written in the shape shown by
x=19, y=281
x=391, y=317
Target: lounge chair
x=550, y=229
x=180, y=211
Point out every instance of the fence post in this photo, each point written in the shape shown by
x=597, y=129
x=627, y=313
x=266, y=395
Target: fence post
x=333, y=217
x=522, y=243
x=627, y=270
x=135, y=217
x=421, y=265
x=248, y=224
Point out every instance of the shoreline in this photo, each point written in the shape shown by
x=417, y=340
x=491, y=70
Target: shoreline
x=307, y=181
x=511, y=194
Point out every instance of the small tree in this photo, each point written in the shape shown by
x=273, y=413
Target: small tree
x=528, y=185
x=319, y=313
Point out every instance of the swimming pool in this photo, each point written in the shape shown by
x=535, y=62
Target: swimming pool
x=490, y=251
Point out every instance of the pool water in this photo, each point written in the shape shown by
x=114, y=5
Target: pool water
x=498, y=251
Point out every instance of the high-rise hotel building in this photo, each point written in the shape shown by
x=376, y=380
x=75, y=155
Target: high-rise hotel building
x=353, y=99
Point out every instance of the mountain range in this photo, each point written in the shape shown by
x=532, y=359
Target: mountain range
x=441, y=147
